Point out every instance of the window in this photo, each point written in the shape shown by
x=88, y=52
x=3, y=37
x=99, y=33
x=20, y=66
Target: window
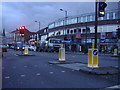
x=91, y=18
x=79, y=30
x=75, y=30
x=105, y=17
x=88, y=18
x=71, y=31
x=51, y=25
x=111, y=15
x=68, y=31
x=84, y=30
x=79, y=19
x=84, y=19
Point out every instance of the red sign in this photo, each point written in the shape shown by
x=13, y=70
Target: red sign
x=78, y=35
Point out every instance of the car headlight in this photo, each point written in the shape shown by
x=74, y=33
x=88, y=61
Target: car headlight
x=18, y=48
x=23, y=47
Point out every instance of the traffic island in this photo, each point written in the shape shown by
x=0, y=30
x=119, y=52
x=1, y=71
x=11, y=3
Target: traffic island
x=115, y=56
x=61, y=62
x=108, y=70
x=24, y=54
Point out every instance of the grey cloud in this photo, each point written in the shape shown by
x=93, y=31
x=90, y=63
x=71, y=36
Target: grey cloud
x=16, y=14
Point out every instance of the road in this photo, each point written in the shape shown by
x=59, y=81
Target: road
x=36, y=72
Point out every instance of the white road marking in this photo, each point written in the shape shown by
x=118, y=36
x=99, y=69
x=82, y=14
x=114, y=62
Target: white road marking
x=73, y=70
x=22, y=75
x=38, y=74
x=7, y=77
x=35, y=65
x=62, y=71
x=25, y=66
x=51, y=72
x=14, y=67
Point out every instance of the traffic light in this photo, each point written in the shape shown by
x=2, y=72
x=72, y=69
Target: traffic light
x=22, y=30
x=101, y=9
x=118, y=33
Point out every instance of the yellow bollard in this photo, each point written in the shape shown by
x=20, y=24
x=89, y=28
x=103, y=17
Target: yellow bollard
x=93, y=45
x=90, y=58
x=115, y=51
x=95, y=58
x=26, y=50
x=61, y=54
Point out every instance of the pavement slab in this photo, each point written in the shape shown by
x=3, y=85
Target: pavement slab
x=106, y=70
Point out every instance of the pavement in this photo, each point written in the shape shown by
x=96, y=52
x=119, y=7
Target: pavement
x=78, y=66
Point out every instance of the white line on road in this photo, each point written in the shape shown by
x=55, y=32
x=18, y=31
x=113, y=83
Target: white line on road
x=22, y=75
x=35, y=65
x=38, y=74
x=51, y=72
x=14, y=67
x=25, y=66
x=73, y=70
x=62, y=71
x=7, y=77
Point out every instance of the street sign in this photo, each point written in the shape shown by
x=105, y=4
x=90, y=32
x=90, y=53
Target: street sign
x=95, y=52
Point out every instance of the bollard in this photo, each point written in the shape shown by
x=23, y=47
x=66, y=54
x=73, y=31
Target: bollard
x=61, y=54
x=92, y=57
x=95, y=58
x=93, y=45
x=115, y=52
x=26, y=50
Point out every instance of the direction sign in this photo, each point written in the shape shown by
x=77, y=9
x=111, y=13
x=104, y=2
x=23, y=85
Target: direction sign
x=95, y=52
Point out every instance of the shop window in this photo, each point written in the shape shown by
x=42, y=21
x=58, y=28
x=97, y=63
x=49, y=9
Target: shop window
x=84, y=30
x=111, y=15
x=71, y=31
x=75, y=30
x=68, y=31
x=79, y=30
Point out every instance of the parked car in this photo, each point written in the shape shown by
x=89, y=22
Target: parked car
x=4, y=48
x=32, y=48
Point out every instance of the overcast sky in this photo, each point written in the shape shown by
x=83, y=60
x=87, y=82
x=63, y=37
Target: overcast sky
x=15, y=14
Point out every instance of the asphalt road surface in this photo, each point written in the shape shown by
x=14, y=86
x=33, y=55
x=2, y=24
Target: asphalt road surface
x=36, y=72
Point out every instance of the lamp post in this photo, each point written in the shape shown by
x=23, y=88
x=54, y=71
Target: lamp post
x=65, y=22
x=66, y=13
x=96, y=22
x=39, y=24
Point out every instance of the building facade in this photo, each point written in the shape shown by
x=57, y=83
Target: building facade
x=79, y=30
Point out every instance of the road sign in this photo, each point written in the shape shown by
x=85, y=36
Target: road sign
x=95, y=52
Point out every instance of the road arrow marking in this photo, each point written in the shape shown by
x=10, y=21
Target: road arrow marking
x=7, y=77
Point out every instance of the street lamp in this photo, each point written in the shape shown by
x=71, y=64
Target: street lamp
x=39, y=24
x=65, y=16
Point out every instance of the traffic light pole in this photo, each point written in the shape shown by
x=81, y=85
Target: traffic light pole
x=96, y=22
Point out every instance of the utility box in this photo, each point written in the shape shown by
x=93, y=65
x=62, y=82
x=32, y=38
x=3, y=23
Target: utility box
x=92, y=57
